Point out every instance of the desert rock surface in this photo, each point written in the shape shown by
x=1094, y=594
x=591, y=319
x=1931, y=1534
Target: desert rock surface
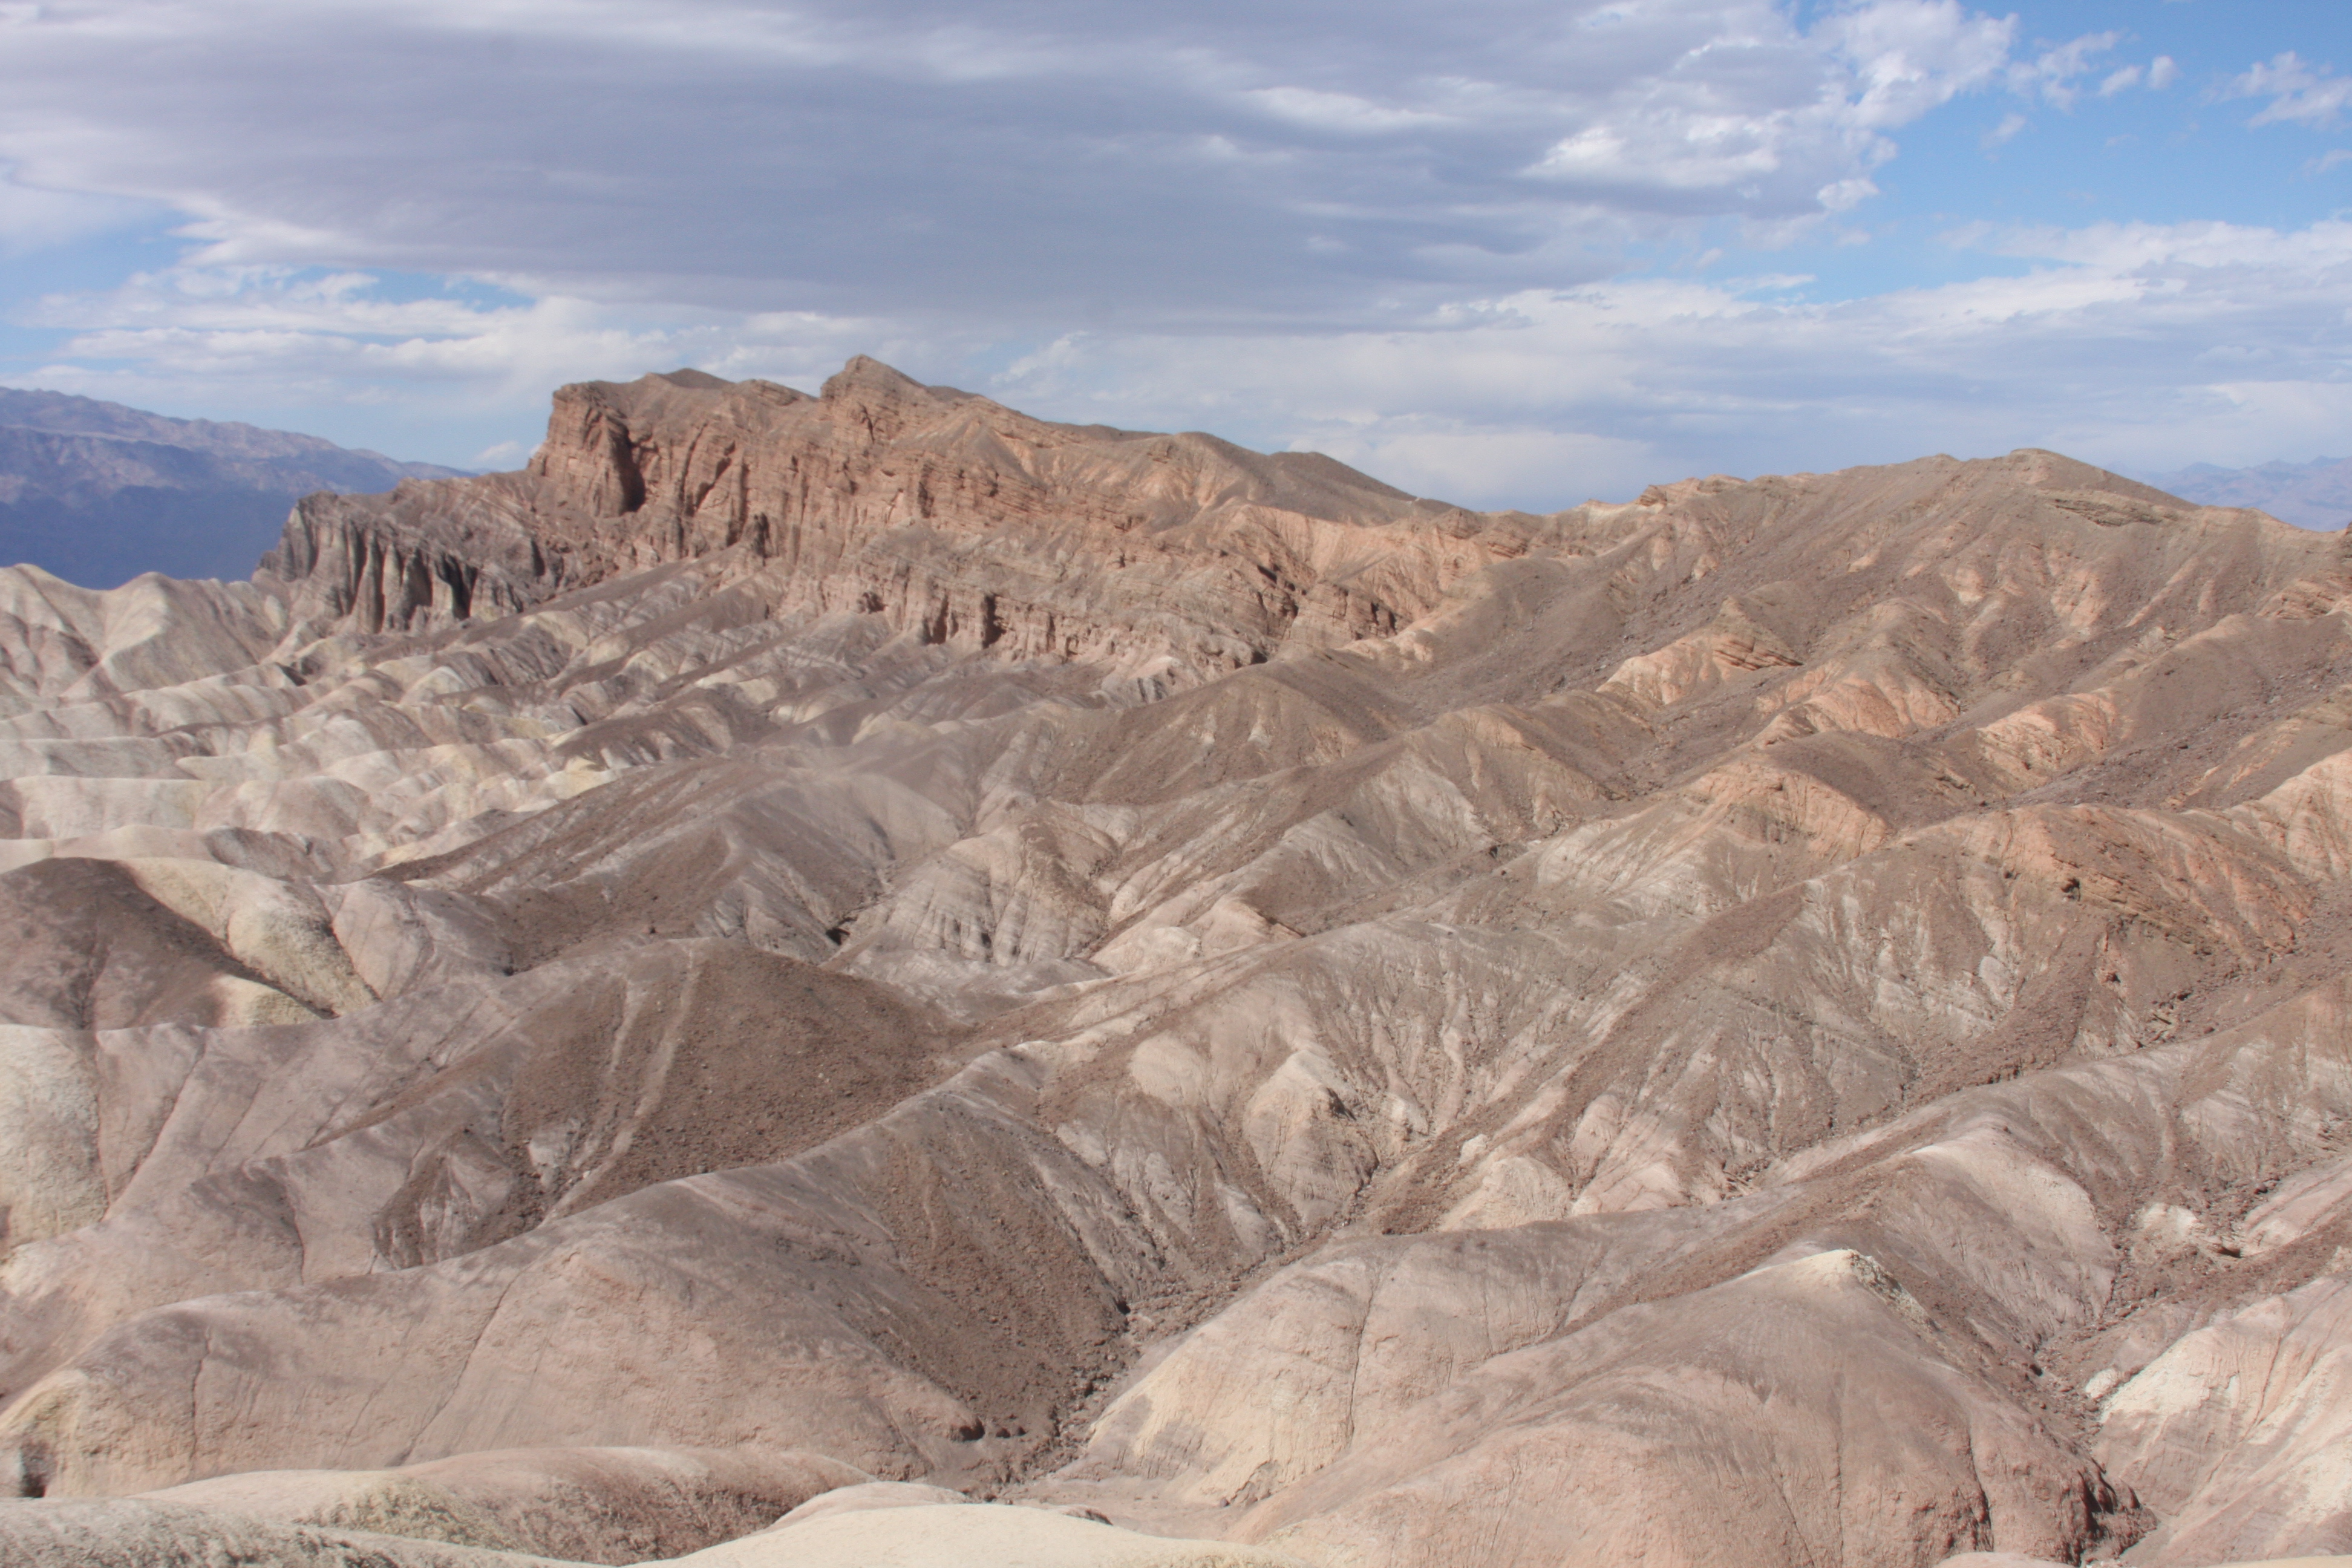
x=870, y=944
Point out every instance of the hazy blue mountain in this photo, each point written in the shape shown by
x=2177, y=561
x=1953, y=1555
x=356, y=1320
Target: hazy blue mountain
x=97, y=493
x=2310, y=495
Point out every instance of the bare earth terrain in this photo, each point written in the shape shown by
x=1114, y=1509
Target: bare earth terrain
x=1008, y=993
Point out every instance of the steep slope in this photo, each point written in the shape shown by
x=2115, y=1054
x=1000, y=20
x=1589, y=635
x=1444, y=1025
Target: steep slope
x=1787, y=1021
x=941, y=514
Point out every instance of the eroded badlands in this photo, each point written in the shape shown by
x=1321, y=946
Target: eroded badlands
x=873, y=959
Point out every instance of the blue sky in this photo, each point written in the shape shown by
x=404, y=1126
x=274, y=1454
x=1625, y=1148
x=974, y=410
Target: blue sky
x=1508, y=253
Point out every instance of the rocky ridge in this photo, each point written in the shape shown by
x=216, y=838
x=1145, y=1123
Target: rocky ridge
x=951, y=519
x=803, y=943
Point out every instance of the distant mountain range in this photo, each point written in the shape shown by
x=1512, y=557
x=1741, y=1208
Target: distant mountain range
x=2309, y=495
x=97, y=493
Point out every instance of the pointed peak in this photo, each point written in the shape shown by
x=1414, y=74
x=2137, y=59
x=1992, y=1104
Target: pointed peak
x=688, y=377
x=2047, y=470
x=872, y=378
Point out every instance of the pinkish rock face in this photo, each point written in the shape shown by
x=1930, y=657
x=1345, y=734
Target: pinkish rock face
x=870, y=941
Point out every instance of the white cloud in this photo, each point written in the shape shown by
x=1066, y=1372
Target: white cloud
x=2130, y=344
x=2105, y=348
x=2158, y=74
x=2297, y=90
x=1447, y=458
x=1337, y=110
x=1707, y=154
x=500, y=455
x=1913, y=56
x=1402, y=236
x=2055, y=74
x=1803, y=150
x=33, y=219
x=1035, y=160
x=1844, y=196
x=335, y=355
x=2322, y=250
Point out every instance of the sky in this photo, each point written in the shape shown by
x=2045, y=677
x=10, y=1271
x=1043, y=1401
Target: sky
x=1510, y=254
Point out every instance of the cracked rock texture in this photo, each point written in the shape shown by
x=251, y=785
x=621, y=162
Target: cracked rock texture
x=816, y=956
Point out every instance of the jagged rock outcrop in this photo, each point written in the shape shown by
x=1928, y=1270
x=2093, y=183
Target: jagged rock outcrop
x=426, y=555
x=951, y=517
x=1789, y=1021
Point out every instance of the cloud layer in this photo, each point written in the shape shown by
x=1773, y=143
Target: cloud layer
x=2112, y=341
x=1215, y=161
x=1424, y=237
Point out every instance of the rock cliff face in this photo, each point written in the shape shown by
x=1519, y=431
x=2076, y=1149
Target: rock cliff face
x=803, y=945
x=951, y=519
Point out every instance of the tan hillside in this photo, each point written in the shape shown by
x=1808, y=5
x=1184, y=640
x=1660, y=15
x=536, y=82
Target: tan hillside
x=844, y=953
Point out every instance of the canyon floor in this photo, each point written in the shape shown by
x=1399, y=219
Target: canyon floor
x=1009, y=993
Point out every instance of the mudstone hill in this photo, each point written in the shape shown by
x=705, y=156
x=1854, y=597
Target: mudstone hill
x=1014, y=993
